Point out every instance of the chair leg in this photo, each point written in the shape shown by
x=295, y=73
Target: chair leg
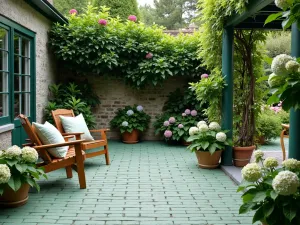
x=282, y=144
x=80, y=167
x=107, y=155
x=69, y=171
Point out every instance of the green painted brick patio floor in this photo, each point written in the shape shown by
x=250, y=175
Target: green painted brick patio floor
x=149, y=183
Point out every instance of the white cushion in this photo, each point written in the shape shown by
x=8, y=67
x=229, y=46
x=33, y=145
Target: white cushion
x=75, y=125
x=48, y=134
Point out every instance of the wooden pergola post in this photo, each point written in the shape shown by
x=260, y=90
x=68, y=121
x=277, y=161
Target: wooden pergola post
x=227, y=97
x=294, y=141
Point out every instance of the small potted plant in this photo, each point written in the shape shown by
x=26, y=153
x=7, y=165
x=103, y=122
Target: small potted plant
x=131, y=120
x=270, y=191
x=207, y=142
x=18, y=172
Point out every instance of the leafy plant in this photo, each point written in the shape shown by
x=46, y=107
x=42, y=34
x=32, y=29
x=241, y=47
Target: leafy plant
x=141, y=55
x=130, y=118
x=17, y=167
x=270, y=191
x=78, y=97
x=207, y=138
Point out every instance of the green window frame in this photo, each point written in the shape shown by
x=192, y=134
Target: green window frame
x=17, y=71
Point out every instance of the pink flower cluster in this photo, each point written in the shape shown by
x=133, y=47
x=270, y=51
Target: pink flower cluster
x=102, y=22
x=168, y=134
x=203, y=76
x=73, y=11
x=277, y=108
x=166, y=123
x=180, y=126
x=189, y=112
x=172, y=120
x=132, y=18
x=149, y=55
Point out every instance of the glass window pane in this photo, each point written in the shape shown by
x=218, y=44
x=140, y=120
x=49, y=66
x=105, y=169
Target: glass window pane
x=26, y=104
x=17, y=83
x=17, y=64
x=17, y=104
x=3, y=60
x=25, y=47
x=26, y=83
x=26, y=66
x=3, y=82
x=17, y=45
x=4, y=105
x=3, y=39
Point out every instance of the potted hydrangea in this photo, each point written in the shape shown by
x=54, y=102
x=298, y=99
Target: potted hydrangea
x=270, y=191
x=18, y=172
x=131, y=121
x=208, y=142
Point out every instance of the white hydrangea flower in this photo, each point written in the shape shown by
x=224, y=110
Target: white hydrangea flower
x=29, y=154
x=291, y=164
x=214, y=126
x=4, y=174
x=1, y=152
x=251, y=172
x=201, y=123
x=275, y=80
x=286, y=183
x=270, y=162
x=282, y=4
x=292, y=66
x=12, y=151
x=193, y=131
x=203, y=128
x=258, y=155
x=124, y=124
x=278, y=64
x=221, y=136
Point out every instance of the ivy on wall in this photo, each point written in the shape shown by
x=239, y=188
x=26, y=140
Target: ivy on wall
x=95, y=43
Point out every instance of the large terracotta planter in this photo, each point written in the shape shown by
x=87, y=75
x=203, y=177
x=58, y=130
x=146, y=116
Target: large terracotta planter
x=242, y=155
x=208, y=161
x=130, y=138
x=11, y=199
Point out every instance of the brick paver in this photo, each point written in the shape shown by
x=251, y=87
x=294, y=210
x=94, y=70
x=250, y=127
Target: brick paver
x=149, y=183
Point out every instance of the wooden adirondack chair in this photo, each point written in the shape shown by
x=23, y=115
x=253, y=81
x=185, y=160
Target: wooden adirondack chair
x=284, y=134
x=86, y=145
x=74, y=158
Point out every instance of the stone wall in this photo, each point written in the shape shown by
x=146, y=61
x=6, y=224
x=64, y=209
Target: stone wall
x=20, y=12
x=114, y=94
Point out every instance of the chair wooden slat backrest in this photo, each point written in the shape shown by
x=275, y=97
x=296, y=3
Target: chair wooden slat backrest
x=30, y=131
x=57, y=120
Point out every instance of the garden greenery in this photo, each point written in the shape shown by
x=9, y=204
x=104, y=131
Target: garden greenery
x=95, y=43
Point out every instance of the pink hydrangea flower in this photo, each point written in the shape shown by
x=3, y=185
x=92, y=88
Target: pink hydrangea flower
x=172, y=120
x=183, y=114
x=203, y=76
x=132, y=18
x=187, y=112
x=149, y=55
x=180, y=126
x=193, y=113
x=102, y=22
x=280, y=104
x=166, y=123
x=168, y=134
x=73, y=11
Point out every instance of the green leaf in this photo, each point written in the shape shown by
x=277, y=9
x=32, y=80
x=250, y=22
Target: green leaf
x=259, y=196
x=273, y=17
x=273, y=195
x=268, y=208
x=241, y=188
x=259, y=215
x=246, y=207
x=11, y=162
x=289, y=212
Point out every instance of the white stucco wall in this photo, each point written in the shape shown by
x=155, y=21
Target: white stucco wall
x=20, y=12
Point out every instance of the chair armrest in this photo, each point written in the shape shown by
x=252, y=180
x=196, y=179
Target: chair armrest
x=77, y=135
x=58, y=145
x=100, y=130
x=285, y=126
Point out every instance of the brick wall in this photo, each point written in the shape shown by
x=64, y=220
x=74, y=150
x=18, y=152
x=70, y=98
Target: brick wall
x=115, y=94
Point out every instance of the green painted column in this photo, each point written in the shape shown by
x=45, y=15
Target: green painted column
x=294, y=140
x=227, y=99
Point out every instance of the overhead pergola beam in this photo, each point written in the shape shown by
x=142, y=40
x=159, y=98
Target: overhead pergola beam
x=252, y=8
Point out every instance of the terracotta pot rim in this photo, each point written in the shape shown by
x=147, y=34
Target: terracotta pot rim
x=246, y=148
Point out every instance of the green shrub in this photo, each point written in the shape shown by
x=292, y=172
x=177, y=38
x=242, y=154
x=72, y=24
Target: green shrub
x=121, y=49
x=284, y=116
x=130, y=118
x=78, y=97
x=278, y=43
x=268, y=125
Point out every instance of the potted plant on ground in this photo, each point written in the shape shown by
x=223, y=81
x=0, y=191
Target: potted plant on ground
x=18, y=172
x=207, y=142
x=272, y=193
x=131, y=120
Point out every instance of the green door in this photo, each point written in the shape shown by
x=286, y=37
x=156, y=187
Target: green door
x=23, y=84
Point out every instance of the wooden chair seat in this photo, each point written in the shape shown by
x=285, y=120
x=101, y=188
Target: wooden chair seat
x=70, y=154
x=101, y=144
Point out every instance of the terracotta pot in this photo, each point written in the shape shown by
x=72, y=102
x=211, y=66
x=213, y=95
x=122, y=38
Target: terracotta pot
x=208, y=161
x=130, y=138
x=11, y=199
x=183, y=142
x=242, y=155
